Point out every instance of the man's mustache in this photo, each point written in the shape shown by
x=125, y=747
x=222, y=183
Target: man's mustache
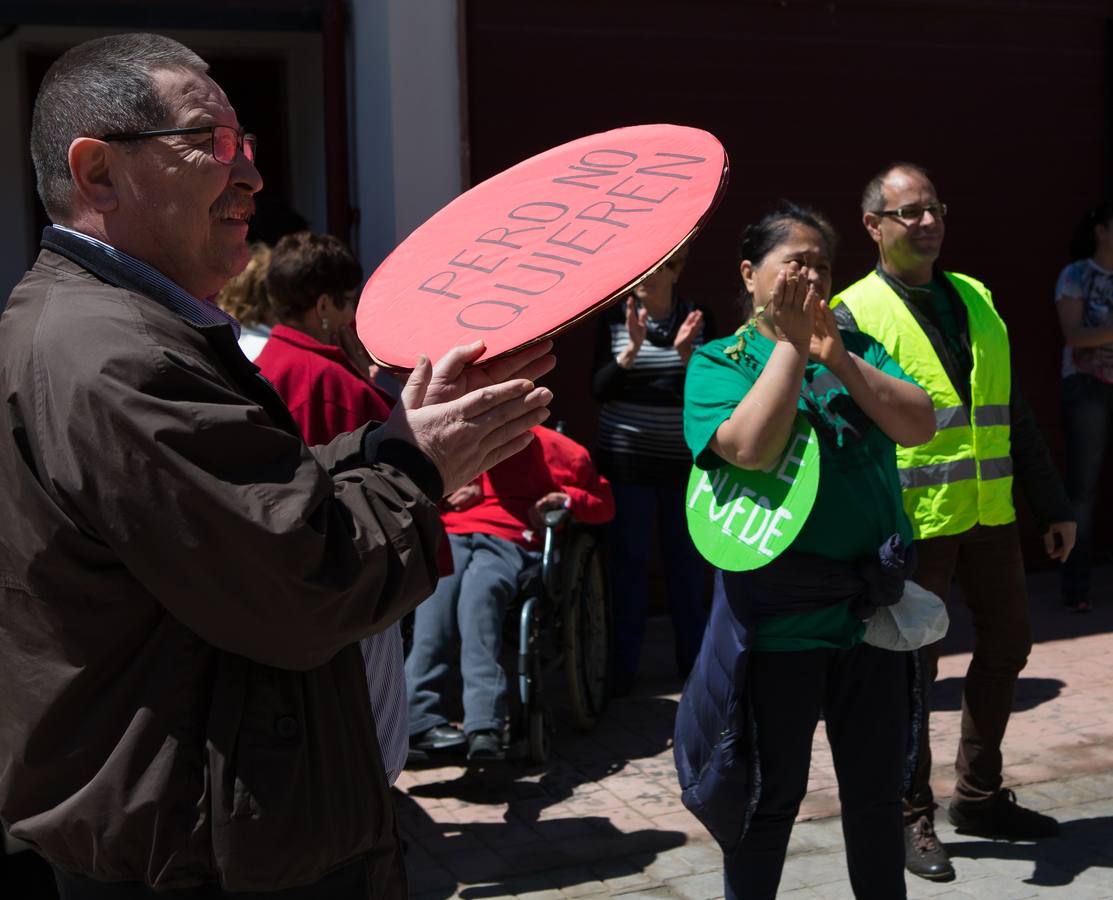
x=230, y=206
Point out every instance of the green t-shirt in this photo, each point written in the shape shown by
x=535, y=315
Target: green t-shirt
x=858, y=505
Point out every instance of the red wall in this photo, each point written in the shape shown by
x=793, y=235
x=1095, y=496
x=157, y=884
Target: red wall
x=1005, y=103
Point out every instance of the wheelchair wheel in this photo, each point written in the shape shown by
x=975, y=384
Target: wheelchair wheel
x=586, y=631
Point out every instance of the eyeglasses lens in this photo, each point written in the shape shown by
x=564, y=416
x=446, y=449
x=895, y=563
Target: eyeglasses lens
x=224, y=144
x=226, y=141
x=917, y=213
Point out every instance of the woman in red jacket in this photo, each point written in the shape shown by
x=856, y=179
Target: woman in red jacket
x=311, y=283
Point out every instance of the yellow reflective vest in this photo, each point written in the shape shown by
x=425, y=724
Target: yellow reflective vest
x=964, y=475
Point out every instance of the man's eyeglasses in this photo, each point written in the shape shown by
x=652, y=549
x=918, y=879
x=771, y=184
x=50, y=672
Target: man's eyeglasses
x=226, y=140
x=913, y=214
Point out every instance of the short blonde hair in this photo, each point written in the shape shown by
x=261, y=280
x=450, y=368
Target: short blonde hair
x=245, y=296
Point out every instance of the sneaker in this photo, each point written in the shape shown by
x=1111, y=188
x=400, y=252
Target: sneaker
x=1001, y=817
x=923, y=854
x=484, y=745
x=439, y=737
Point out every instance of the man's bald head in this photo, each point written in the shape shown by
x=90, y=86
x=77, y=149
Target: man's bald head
x=873, y=197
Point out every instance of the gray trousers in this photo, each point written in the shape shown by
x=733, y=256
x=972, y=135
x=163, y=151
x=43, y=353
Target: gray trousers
x=461, y=625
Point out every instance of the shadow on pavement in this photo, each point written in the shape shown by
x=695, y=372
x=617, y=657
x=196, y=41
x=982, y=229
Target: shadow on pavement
x=946, y=693
x=582, y=849
x=488, y=825
x=1082, y=844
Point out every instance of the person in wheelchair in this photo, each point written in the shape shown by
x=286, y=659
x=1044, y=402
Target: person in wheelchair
x=495, y=529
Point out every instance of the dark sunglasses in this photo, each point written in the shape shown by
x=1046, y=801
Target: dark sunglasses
x=226, y=140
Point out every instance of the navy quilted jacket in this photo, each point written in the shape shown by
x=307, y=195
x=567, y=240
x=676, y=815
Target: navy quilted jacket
x=720, y=775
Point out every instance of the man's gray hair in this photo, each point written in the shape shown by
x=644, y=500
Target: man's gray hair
x=873, y=197
x=96, y=88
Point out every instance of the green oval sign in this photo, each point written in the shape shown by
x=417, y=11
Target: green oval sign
x=741, y=519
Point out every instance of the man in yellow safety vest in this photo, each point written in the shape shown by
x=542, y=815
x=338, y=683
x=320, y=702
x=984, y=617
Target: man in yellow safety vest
x=942, y=328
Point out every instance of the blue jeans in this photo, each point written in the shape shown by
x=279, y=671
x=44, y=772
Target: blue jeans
x=630, y=542
x=460, y=627
x=1087, y=417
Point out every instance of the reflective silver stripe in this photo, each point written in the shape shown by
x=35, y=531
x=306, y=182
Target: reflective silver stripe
x=951, y=417
x=938, y=473
x=999, y=467
x=985, y=416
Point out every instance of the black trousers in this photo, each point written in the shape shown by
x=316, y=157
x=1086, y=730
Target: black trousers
x=989, y=567
x=348, y=883
x=863, y=696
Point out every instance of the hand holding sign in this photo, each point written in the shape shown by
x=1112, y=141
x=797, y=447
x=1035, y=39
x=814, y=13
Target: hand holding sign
x=464, y=434
x=539, y=246
x=455, y=375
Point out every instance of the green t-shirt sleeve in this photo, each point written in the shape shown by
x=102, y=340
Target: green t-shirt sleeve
x=713, y=386
x=873, y=352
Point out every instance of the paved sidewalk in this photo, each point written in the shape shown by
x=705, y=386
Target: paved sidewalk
x=604, y=816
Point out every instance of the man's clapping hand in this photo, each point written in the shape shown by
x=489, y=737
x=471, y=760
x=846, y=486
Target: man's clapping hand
x=455, y=373
x=467, y=419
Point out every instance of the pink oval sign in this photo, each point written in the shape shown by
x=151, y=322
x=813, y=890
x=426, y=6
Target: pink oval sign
x=539, y=246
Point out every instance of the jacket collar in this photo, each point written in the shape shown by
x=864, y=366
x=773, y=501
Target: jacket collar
x=124, y=271
x=305, y=341
x=905, y=291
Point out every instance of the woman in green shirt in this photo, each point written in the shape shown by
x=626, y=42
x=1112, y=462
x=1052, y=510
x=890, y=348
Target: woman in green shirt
x=800, y=625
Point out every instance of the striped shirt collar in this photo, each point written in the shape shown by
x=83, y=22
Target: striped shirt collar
x=197, y=312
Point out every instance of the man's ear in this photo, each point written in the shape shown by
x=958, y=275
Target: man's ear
x=872, y=221
x=91, y=169
x=323, y=306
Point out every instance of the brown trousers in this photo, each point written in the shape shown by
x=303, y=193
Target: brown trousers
x=987, y=563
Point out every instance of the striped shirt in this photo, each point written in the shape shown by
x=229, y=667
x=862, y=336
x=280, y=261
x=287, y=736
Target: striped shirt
x=190, y=308
x=641, y=419
x=385, y=669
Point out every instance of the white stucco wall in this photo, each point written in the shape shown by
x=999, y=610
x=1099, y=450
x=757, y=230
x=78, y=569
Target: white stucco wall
x=406, y=117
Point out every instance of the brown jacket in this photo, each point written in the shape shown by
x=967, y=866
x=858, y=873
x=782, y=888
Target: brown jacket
x=182, y=583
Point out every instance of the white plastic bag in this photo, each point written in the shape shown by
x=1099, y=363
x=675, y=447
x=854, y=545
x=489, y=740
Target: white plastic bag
x=917, y=619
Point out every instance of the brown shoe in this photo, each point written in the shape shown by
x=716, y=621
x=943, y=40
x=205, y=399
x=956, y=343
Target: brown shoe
x=923, y=854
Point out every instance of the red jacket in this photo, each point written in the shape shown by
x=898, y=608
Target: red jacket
x=322, y=388
x=552, y=462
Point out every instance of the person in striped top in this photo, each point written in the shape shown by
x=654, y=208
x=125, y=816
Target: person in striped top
x=642, y=353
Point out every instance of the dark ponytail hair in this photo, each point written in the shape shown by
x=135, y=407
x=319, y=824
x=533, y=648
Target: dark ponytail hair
x=1085, y=242
x=773, y=229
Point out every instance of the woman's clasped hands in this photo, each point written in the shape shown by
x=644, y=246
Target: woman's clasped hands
x=798, y=313
x=791, y=308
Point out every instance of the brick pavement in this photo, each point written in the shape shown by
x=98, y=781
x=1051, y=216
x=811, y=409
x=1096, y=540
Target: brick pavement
x=604, y=816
